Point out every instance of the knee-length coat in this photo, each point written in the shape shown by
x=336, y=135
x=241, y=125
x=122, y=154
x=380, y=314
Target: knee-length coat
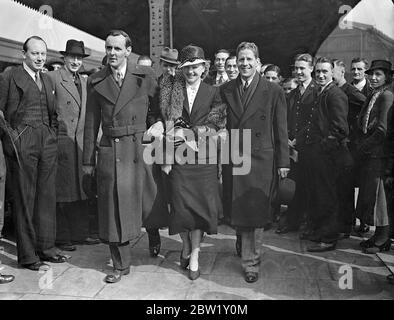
x=71, y=108
x=248, y=195
x=126, y=186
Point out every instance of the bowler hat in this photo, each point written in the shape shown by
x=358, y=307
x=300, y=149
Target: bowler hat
x=74, y=47
x=380, y=64
x=286, y=190
x=191, y=55
x=169, y=55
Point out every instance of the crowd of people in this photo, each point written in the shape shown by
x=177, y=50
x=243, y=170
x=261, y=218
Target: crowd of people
x=76, y=146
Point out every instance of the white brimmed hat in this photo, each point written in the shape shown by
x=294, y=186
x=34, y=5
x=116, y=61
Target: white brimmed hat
x=191, y=55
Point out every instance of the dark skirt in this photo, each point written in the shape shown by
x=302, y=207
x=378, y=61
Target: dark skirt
x=195, y=198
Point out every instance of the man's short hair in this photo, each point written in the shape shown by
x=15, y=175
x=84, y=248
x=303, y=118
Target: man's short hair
x=272, y=67
x=304, y=57
x=231, y=57
x=222, y=51
x=324, y=60
x=116, y=33
x=30, y=38
x=248, y=45
x=357, y=60
x=339, y=63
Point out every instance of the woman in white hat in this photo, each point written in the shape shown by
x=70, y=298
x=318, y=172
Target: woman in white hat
x=196, y=108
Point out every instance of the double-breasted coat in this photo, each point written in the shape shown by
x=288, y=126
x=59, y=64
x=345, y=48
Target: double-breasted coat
x=126, y=185
x=71, y=108
x=248, y=195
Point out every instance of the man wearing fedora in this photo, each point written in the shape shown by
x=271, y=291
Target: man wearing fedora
x=168, y=61
x=256, y=107
x=123, y=99
x=71, y=199
x=31, y=122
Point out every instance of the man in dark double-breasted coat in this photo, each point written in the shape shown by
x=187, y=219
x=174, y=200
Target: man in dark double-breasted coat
x=121, y=98
x=259, y=106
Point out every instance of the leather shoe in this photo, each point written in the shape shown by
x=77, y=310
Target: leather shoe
x=67, y=247
x=91, y=241
x=193, y=275
x=58, y=258
x=154, y=242
x=238, y=246
x=36, y=266
x=322, y=247
x=184, y=262
x=251, y=277
x=4, y=278
x=116, y=275
x=284, y=230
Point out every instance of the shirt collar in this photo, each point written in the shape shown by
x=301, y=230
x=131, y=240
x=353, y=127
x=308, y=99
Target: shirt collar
x=305, y=84
x=322, y=88
x=249, y=81
x=224, y=75
x=361, y=84
x=195, y=86
x=29, y=71
x=122, y=70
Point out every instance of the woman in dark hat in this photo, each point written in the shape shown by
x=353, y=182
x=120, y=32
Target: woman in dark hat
x=192, y=107
x=374, y=150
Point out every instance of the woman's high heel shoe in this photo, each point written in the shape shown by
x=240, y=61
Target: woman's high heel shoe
x=374, y=249
x=193, y=275
x=369, y=243
x=184, y=262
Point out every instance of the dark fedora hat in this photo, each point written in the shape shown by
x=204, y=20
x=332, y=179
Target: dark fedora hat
x=285, y=192
x=191, y=55
x=169, y=55
x=74, y=47
x=380, y=64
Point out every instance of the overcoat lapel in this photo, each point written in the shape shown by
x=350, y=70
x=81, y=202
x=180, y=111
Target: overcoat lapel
x=127, y=91
x=256, y=100
x=199, y=104
x=70, y=87
x=234, y=99
x=106, y=86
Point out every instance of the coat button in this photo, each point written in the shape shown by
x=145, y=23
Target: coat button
x=68, y=102
x=258, y=134
x=117, y=160
x=134, y=139
x=262, y=117
x=135, y=160
x=133, y=118
x=117, y=140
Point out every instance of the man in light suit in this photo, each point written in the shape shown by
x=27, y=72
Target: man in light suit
x=72, y=202
x=121, y=97
x=259, y=106
x=31, y=145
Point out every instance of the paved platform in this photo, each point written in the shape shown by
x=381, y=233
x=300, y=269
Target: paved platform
x=287, y=271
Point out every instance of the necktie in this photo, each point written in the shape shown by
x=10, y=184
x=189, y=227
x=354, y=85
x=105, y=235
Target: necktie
x=38, y=81
x=245, y=87
x=119, y=78
x=221, y=80
x=302, y=89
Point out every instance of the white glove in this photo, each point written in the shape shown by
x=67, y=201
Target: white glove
x=156, y=130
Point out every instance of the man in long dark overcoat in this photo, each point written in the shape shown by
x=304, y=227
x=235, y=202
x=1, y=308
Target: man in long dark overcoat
x=260, y=106
x=121, y=98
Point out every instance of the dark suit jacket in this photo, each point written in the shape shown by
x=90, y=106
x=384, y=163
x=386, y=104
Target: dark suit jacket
x=14, y=101
x=356, y=100
x=248, y=195
x=296, y=107
x=367, y=90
